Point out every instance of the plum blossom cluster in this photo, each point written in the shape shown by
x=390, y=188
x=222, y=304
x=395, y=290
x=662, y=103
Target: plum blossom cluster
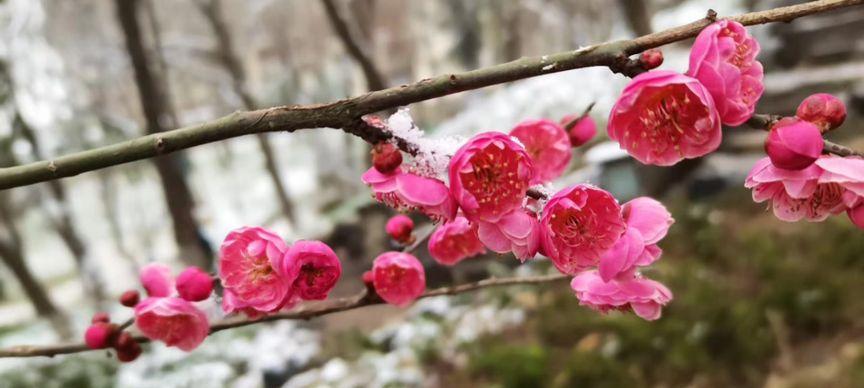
x=582, y=229
x=663, y=117
x=800, y=181
x=169, y=313
x=261, y=274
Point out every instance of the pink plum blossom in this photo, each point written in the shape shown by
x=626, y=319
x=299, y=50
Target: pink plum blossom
x=398, y=278
x=489, y=176
x=156, y=279
x=174, y=321
x=580, y=129
x=723, y=58
x=663, y=117
x=193, y=284
x=647, y=222
x=455, y=241
x=793, y=144
x=250, y=267
x=579, y=224
x=400, y=227
x=856, y=214
x=823, y=110
x=629, y=291
x=547, y=144
x=406, y=191
x=828, y=186
x=315, y=266
x=517, y=232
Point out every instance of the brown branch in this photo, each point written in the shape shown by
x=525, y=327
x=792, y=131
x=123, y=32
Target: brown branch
x=374, y=78
x=765, y=121
x=345, y=113
x=304, y=312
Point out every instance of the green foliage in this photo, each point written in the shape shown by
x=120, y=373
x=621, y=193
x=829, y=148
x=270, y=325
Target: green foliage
x=514, y=365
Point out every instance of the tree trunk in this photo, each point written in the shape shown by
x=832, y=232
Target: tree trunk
x=193, y=248
x=12, y=255
x=638, y=15
x=61, y=220
x=229, y=60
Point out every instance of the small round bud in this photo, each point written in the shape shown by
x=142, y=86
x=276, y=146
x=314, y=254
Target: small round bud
x=856, y=214
x=793, y=144
x=368, y=277
x=400, y=228
x=823, y=110
x=98, y=335
x=194, y=284
x=100, y=317
x=127, y=348
x=386, y=157
x=130, y=298
x=580, y=130
x=651, y=59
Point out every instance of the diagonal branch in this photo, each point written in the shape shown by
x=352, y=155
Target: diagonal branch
x=374, y=78
x=305, y=312
x=345, y=114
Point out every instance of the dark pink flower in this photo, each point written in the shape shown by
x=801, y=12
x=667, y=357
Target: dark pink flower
x=663, y=117
x=517, y=232
x=400, y=227
x=489, y=176
x=156, y=279
x=194, y=284
x=647, y=221
x=316, y=267
x=823, y=110
x=398, y=278
x=547, y=144
x=174, y=321
x=826, y=187
x=250, y=266
x=580, y=132
x=793, y=144
x=723, y=58
x=631, y=291
x=406, y=191
x=455, y=241
x=578, y=225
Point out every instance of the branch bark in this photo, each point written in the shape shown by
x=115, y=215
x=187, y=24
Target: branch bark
x=345, y=114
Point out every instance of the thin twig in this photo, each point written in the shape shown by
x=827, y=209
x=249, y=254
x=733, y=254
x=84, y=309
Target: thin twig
x=345, y=113
x=304, y=312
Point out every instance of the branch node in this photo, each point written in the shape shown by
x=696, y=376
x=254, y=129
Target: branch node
x=52, y=166
x=711, y=15
x=160, y=144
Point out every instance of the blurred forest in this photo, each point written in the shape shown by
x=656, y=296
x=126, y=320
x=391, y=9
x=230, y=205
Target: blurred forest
x=758, y=302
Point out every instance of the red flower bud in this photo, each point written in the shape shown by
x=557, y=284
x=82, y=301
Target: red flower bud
x=793, y=144
x=824, y=110
x=130, y=298
x=194, y=284
x=100, y=317
x=579, y=129
x=400, y=227
x=651, y=59
x=127, y=348
x=99, y=335
x=386, y=157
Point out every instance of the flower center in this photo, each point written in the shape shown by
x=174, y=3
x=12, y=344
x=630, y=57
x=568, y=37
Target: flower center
x=493, y=180
x=669, y=115
x=259, y=269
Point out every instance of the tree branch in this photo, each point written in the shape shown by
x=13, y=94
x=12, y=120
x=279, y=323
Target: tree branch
x=305, y=312
x=374, y=78
x=345, y=114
